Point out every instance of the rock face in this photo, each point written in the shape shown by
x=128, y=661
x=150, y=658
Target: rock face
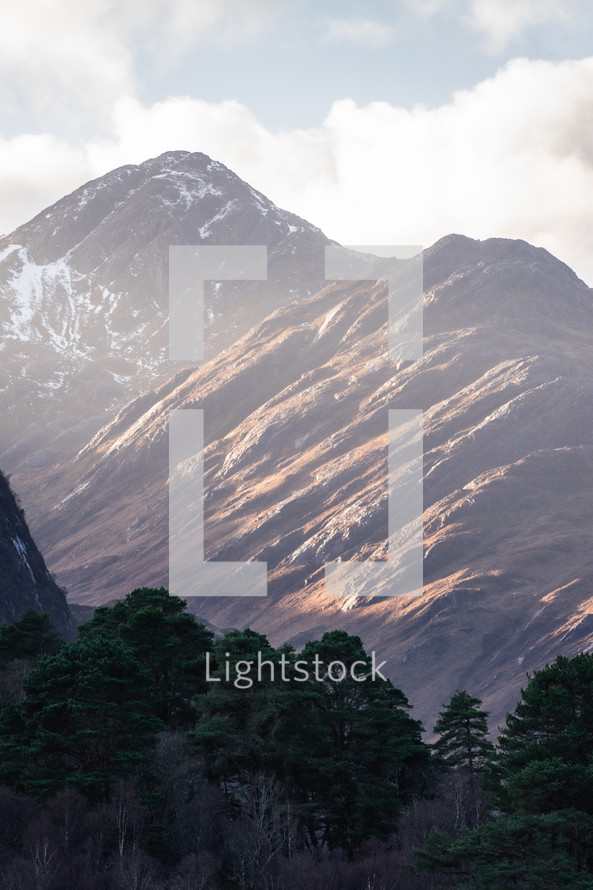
x=84, y=288
x=25, y=582
x=296, y=403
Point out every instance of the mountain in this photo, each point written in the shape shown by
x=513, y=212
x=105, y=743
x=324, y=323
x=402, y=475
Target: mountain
x=295, y=402
x=296, y=472
x=25, y=582
x=84, y=287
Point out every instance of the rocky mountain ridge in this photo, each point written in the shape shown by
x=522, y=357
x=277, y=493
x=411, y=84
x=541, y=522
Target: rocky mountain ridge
x=84, y=287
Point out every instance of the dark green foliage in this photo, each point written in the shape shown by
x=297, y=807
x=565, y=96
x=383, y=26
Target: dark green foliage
x=148, y=754
x=463, y=733
x=543, y=852
x=352, y=751
x=345, y=752
x=237, y=724
x=546, y=747
x=84, y=721
x=555, y=714
x=31, y=636
x=165, y=639
x=544, y=773
x=20, y=644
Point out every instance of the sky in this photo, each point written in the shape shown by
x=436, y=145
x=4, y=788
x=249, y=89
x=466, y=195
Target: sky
x=382, y=122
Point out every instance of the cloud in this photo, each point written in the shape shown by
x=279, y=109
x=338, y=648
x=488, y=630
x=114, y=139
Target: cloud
x=187, y=22
x=512, y=157
x=36, y=170
x=425, y=7
x=78, y=58
x=55, y=52
x=498, y=21
x=359, y=32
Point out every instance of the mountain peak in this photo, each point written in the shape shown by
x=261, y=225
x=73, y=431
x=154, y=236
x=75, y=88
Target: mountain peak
x=457, y=254
x=179, y=197
x=84, y=286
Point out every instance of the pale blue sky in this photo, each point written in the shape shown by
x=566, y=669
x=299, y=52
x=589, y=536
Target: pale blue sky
x=291, y=71
x=293, y=58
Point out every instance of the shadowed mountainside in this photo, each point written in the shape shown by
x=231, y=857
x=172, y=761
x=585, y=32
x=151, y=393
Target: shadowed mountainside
x=25, y=582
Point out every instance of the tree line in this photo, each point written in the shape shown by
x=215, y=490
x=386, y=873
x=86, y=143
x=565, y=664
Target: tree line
x=132, y=759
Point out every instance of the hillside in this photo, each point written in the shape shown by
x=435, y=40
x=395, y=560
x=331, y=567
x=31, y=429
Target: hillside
x=295, y=400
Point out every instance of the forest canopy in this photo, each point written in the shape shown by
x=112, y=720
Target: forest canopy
x=132, y=758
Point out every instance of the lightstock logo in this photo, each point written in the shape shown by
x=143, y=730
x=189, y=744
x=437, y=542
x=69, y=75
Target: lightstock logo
x=190, y=574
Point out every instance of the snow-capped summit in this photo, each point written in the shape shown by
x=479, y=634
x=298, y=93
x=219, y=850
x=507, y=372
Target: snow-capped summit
x=84, y=289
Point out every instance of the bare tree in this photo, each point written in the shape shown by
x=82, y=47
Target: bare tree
x=44, y=852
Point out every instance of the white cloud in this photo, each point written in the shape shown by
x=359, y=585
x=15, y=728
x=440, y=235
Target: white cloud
x=79, y=57
x=502, y=20
x=56, y=52
x=499, y=22
x=187, y=22
x=425, y=7
x=360, y=32
x=512, y=157
x=36, y=170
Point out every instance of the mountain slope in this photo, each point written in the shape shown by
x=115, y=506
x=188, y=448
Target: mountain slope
x=295, y=388
x=296, y=425
x=84, y=287
x=25, y=582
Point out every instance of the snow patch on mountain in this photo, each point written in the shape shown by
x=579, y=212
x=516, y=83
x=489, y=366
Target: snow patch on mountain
x=22, y=552
x=205, y=230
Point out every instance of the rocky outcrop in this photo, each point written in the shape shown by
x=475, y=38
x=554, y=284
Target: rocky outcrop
x=25, y=582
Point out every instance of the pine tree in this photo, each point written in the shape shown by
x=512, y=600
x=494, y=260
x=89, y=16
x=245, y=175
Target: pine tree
x=546, y=747
x=463, y=733
x=526, y=852
x=351, y=751
x=345, y=753
x=543, y=838
x=166, y=640
x=31, y=636
x=84, y=722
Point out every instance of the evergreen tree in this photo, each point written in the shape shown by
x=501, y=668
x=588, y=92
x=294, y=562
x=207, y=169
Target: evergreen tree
x=351, y=749
x=21, y=643
x=29, y=637
x=526, y=852
x=544, y=837
x=546, y=747
x=169, y=642
x=344, y=752
x=236, y=726
x=463, y=733
x=85, y=721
